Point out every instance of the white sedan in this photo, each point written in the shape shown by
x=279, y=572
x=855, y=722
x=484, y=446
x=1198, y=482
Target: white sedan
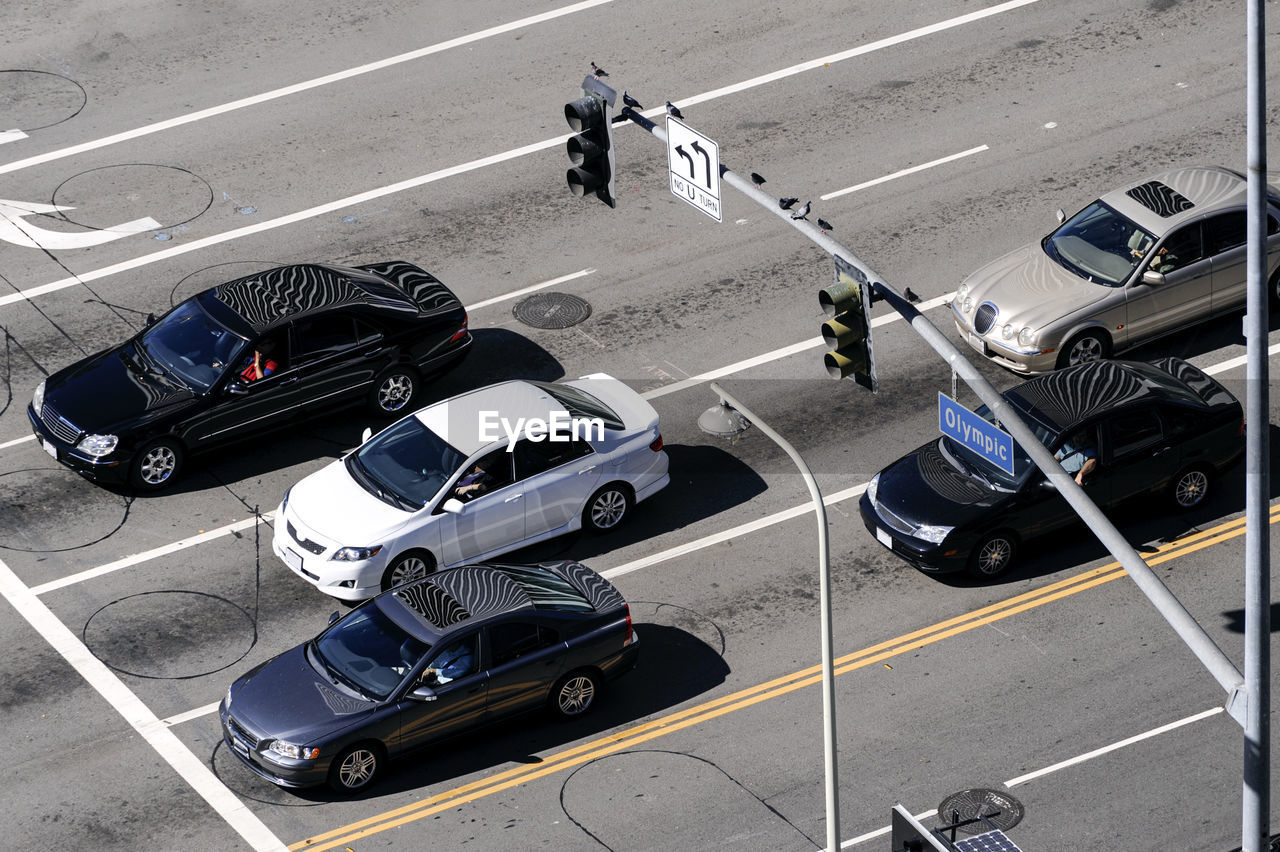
x=469, y=478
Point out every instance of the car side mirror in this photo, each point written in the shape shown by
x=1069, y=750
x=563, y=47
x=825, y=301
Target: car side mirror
x=1152, y=277
x=366, y=435
x=1060, y=215
x=453, y=506
x=238, y=388
x=333, y=616
x=151, y=319
x=1047, y=484
x=423, y=693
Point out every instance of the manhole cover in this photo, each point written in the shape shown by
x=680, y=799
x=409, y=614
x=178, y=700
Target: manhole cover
x=1000, y=809
x=552, y=310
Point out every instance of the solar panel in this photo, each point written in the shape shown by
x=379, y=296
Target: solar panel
x=989, y=841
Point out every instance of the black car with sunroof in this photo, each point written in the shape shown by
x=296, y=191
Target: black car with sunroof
x=323, y=337
x=1126, y=429
x=429, y=659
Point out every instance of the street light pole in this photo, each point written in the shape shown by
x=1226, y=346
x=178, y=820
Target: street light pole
x=730, y=418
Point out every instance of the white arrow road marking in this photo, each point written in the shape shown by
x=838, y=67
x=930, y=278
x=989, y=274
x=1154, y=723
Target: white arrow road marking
x=11, y=136
x=14, y=230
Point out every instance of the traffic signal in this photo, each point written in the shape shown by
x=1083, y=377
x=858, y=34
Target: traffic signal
x=848, y=332
x=591, y=150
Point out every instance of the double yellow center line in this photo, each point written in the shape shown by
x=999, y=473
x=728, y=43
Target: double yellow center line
x=646, y=731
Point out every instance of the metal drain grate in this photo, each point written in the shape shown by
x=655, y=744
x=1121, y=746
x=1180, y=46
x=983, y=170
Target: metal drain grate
x=552, y=310
x=1000, y=810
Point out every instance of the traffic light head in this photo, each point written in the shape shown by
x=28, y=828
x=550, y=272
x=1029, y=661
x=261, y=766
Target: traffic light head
x=848, y=331
x=591, y=149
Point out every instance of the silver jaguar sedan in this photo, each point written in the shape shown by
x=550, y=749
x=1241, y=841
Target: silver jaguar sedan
x=1145, y=260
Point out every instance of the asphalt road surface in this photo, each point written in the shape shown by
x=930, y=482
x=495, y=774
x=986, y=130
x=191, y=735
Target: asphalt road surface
x=251, y=135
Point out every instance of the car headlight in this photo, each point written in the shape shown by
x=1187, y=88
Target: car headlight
x=284, y=502
x=356, y=554
x=962, y=291
x=1006, y=331
x=1026, y=337
x=297, y=752
x=932, y=534
x=37, y=399
x=98, y=445
x=871, y=488
x=967, y=304
x=227, y=705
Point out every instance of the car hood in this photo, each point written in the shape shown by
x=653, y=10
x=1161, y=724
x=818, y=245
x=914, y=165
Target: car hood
x=1029, y=288
x=104, y=391
x=924, y=487
x=333, y=504
x=287, y=699
x=634, y=410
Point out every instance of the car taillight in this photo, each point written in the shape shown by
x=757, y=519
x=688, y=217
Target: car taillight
x=627, y=640
x=657, y=443
x=461, y=332
x=1242, y=428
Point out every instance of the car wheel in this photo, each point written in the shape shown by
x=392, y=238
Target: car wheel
x=993, y=556
x=1084, y=347
x=1273, y=289
x=394, y=390
x=355, y=768
x=607, y=508
x=574, y=694
x=156, y=465
x=1189, y=488
x=408, y=566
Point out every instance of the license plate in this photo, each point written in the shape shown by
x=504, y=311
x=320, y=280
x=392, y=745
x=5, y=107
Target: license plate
x=884, y=538
x=50, y=449
x=976, y=342
x=292, y=559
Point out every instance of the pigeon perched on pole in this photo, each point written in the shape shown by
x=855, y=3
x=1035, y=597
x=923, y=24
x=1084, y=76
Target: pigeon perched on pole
x=757, y=179
x=630, y=101
x=803, y=212
x=598, y=72
x=674, y=110
x=911, y=297
x=825, y=225
x=787, y=203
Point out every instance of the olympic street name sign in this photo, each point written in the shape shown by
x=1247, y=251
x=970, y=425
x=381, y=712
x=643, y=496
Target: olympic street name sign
x=970, y=430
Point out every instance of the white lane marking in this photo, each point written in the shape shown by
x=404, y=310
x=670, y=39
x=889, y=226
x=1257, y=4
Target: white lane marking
x=531, y=288
x=777, y=354
x=1098, y=752
x=412, y=183
x=189, y=767
x=871, y=835
x=190, y=714
x=7, y=444
x=137, y=558
x=1239, y=361
x=297, y=87
x=11, y=136
x=904, y=172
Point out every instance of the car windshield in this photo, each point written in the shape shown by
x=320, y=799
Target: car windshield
x=977, y=466
x=406, y=465
x=582, y=405
x=368, y=652
x=1099, y=245
x=190, y=344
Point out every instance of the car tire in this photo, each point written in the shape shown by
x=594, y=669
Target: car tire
x=994, y=555
x=1084, y=347
x=1273, y=290
x=408, y=566
x=356, y=767
x=575, y=694
x=394, y=390
x=608, y=507
x=1189, y=488
x=156, y=465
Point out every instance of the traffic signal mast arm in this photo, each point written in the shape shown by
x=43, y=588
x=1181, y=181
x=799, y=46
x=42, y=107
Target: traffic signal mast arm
x=1188, y=629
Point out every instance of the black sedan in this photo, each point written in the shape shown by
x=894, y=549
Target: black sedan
x=247, y=357
x=428, y=659
x=1124, y=428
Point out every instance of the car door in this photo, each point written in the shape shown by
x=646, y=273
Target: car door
x=488, y=522
x=1038, y=507
x=337, y=355
x=1137, y=456
x=525, y=659
x=1183, y=296
x=459, y=704
x=557, y=477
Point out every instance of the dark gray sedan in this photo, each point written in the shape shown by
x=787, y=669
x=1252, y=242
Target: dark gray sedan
x=457, y=649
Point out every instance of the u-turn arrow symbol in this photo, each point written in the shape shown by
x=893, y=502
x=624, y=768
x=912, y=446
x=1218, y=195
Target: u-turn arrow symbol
x=13, y=228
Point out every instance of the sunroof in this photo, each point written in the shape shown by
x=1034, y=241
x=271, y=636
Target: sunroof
x=433, y=603
x=1160, y=198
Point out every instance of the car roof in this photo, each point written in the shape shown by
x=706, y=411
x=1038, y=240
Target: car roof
x=443, y=601
x=1062, y=399
x=458, y=420
x=267, y=299
x=1162, y=202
